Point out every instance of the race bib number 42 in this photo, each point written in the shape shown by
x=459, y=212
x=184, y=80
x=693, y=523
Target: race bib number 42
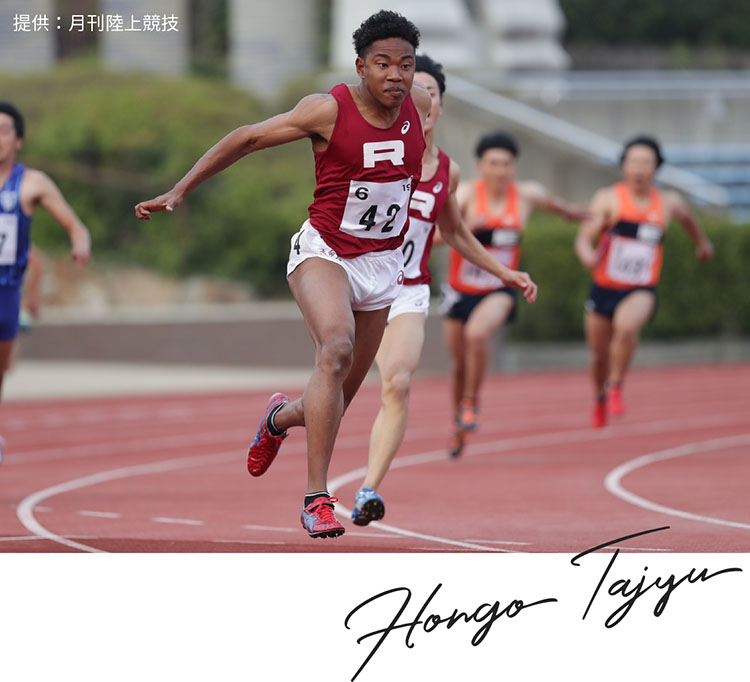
x=8, y=238
x=376, y=210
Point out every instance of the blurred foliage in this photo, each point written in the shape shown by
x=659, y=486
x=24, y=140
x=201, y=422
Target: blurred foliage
x=657, y=22
x=111, y=140
x=694, y=299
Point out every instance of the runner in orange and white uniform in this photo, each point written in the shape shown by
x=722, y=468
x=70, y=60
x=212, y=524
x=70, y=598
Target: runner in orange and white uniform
x=476, y=304
x=621, y=243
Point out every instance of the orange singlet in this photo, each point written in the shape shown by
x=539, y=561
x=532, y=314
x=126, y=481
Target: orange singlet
x=501, y=237
x=631, y=248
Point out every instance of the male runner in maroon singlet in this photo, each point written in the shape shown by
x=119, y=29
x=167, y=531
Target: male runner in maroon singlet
x=345, y=265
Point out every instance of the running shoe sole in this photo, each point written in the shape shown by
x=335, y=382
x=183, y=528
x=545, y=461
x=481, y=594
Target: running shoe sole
x=372, y=510
x=326, y=533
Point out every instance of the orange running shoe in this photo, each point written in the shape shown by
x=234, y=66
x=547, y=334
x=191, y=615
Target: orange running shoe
x=616, y=404
x=599, y=416
x=468, y=415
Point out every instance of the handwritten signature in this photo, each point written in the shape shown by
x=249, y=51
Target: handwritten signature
x=429, y=618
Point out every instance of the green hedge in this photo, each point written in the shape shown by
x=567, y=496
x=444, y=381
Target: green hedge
x=111, y=140
x=694, y=299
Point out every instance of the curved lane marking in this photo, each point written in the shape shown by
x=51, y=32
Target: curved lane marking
x=612, y=482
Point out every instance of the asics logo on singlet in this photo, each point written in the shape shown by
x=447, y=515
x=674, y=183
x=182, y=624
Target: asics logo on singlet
x=405, y=127
x=436, y=189
x=423, y=202
x=389, y=150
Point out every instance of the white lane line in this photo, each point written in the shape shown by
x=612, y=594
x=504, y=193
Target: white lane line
x=296, y=530
x=25, y=509
x=439, y=549
x=36, y=537
x=272, y=528
x=98, y=514
x=184, y=522
x=612, y=482
x=363, y=534
x=497, y=446
x=412, y=460
x=500, y=542
x=249, y=542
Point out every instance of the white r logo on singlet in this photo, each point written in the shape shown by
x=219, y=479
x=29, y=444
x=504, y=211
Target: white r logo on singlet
x=423, y=202
x=390, y=150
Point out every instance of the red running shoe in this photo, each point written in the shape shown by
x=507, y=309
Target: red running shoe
x=319, y=520
x=616, y=404
x=265, y=447
x=599, y=416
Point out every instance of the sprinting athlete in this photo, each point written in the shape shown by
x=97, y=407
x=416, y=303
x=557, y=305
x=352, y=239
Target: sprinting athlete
x=346, y=265
x=433, y=203
x=21, y=191
x=621, y=244
x=476, y=303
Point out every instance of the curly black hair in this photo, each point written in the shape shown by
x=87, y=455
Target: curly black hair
x=496, y=140
x=426, y=64
x=8, y=108
x=384, y=24
x=647, y=141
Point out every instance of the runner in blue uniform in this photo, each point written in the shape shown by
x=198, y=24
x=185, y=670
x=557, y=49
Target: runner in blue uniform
x=21, y=191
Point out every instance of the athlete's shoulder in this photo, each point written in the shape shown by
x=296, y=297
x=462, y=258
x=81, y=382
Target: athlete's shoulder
x=422, y=100
x=605, y=195
x=454, y=174
x=36, y=180
x=317, y=106
x=531, y=189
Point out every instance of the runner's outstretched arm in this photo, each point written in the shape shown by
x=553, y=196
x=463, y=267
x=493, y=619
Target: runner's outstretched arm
x=47, y=194
x=539, y=197
x=313, y=115
x=704, y=248
x=591, y=228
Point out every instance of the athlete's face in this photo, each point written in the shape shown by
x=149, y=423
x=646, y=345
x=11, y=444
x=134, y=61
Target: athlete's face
x=387, y=70
x=429, y=82
x=497, y=167
x=639, y=166
x=10, y=143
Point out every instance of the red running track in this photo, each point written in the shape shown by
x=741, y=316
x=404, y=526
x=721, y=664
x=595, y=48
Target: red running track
x=167, y=474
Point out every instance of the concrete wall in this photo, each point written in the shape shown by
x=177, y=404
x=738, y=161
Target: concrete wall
x=22, y=51
x=574, y=177
x=270, y=42
x=502, y=34
x=164, y=52
x=709, y=119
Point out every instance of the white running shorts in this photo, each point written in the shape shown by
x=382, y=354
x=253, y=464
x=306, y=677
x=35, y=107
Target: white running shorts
x=375, y=278
x=413, y=298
